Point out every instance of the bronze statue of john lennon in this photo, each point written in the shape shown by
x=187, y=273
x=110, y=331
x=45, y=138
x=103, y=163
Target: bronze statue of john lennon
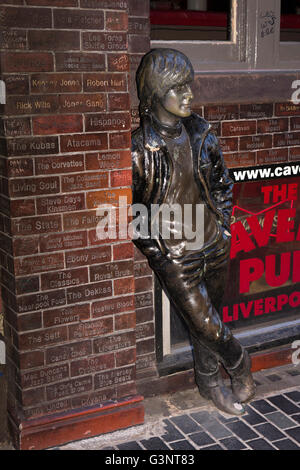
x=177, y=161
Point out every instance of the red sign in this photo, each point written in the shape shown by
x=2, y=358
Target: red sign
x=264, y=275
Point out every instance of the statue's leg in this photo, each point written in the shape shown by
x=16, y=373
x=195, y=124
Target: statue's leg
x=243, y=384
x=208, y=333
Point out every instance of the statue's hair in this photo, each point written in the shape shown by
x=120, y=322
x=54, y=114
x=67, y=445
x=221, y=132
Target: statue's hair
x=160, y=70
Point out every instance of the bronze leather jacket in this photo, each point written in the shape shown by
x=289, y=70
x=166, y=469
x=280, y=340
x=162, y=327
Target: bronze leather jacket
x=152, y=170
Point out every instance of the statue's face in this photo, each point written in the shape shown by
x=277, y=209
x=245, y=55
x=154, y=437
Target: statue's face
x=178, y=100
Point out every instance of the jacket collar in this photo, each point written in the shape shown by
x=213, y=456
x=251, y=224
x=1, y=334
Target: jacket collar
x=153, y=141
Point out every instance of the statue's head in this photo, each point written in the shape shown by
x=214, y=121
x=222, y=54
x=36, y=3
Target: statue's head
x=160, y=71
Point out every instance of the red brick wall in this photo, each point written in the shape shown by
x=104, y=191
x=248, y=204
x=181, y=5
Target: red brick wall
x=68, y=296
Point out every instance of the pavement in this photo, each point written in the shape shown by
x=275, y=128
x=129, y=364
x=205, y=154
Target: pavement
x=185, y=421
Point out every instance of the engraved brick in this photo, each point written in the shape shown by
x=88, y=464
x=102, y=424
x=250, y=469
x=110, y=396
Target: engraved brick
x=240, y=159
x=70, y=387
x=121, y=178
x=260, y=110
x=17, y=167
x=83, y=182
x=34, y=104
x=93, y=291
x=111, y=271
x=94, y=41
x=116, y=21
x=235, y=128
x=294, y=153
x=33, y=186
x=24, y=17
x=126, y=357
x=88, y=256
x=48, y=408
x=287, y=109
x=36, y=225
x=82, y=102
x=94, y=199
x=53, y=40
x=139, y=26
x=91, y=328
x=42, y=338
x=60, y=164
x=266, y=126
x=114, y=342
x=124, y=286
x=47, y=125
x=40, y=301
x=13, y=39
x=16, y=127
x=66, y=278
x=108, y=160
x=106, y=122
x=229, y=144
x=295, y=124
x=135, y=118
x=17, y=84
x=32, y=146
x=80, y=62
x=142, y=268
x=272, y=156
x=114, y=377
x=256, y=142
x=92, y=364
x=25, y=246
x=118, y=62
x=94, y=398
x=221, y=112
x=145, y=362
x=125, y=321
x=66, y=315
x=105, y=4
x=112, y=306
x=80, y=220
x=144, y=330
x=123, y=251
x=16, y=62
x=104, y=82
x=119, y=140
x=63, y=241
x=61, y=203
x=37, y=264
x=143, y=300
x=56, y=83
x=287, y=139
x=68, y=351
x=44, y=376
x=78, y=19
x=83, y=142
x=118, y=101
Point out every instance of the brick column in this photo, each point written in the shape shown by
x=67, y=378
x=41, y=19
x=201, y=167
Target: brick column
x=65, y=148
